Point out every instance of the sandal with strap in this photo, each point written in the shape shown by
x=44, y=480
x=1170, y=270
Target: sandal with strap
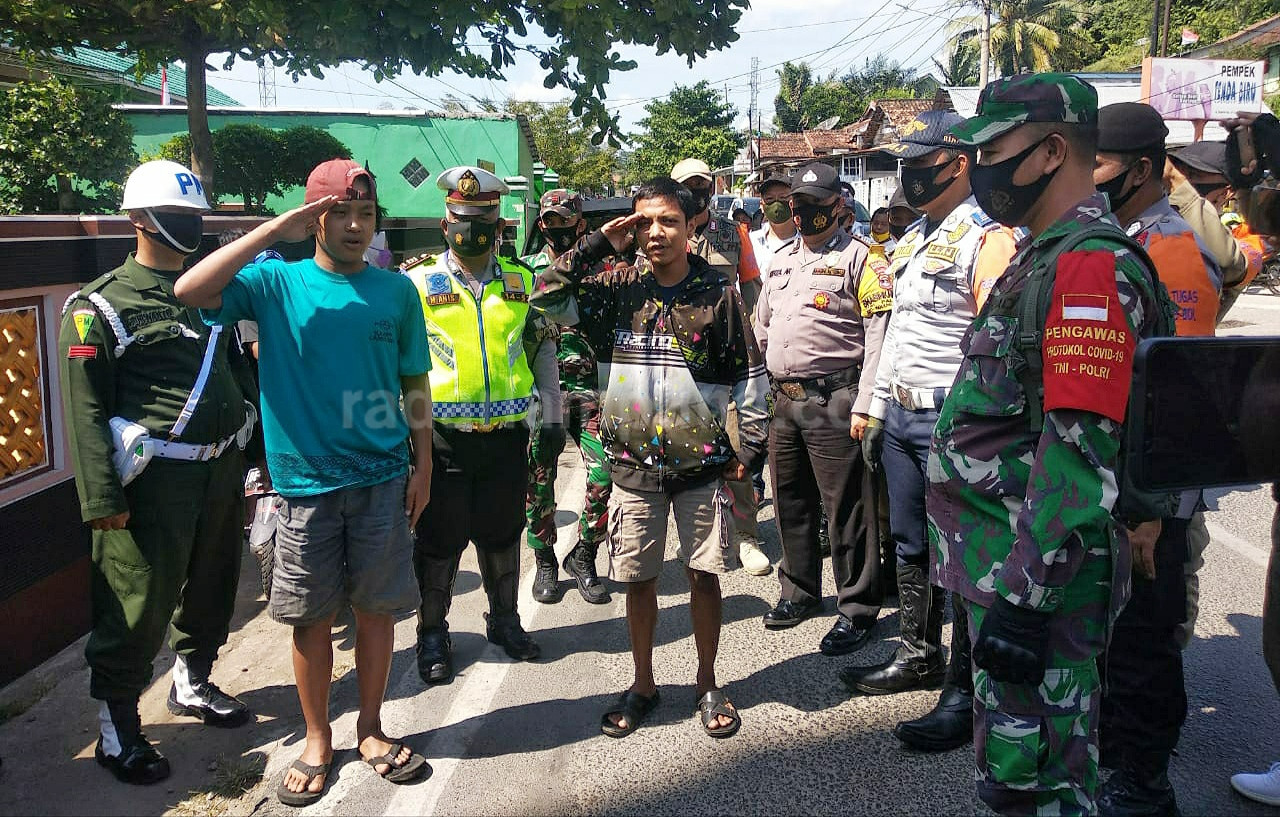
x=716, y=703
x=633, y=708
x=305, y=797
x=412, y=769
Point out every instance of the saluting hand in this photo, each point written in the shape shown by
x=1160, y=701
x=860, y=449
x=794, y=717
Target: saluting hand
x=300, y=223
x=621, y=231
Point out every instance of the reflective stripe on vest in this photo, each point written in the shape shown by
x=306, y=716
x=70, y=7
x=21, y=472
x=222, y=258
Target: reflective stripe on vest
x=479, y=372
x=1181, y=269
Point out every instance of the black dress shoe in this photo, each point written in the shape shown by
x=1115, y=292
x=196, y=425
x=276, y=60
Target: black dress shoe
x=506, y=632
x=580, y=564
x=894, y=676
x=789, y=613
x=435, y=656
x=844, y=637
x=202, y=699
x=138, y=763
x=949, y=725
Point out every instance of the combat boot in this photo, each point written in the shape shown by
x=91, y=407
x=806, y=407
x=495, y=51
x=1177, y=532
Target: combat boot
x=580, y=564
x=192, y=693
x=917, y=663
x=123, y=749
x=546, y=578
x=500, y=574
x=950, y=724
x=1139, y=789
x=436, y=575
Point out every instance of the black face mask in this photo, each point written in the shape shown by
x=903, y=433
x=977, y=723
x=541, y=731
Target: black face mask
x=561, y=238
x=897, y=230
x=180, y=232
x=919, y=187
x=814, y=218
x=999, y=197
x=471, y=238
x=701, y=199
x=1114, y=185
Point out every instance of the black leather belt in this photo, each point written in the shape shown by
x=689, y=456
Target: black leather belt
x=803, y=389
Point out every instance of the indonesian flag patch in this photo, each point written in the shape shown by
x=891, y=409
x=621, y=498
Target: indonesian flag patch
x=1088, y=346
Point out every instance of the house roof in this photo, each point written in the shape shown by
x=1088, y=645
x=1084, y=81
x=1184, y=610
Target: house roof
x=1258, y=37
x=123, y=70
x=882, y=116
x=785, y=146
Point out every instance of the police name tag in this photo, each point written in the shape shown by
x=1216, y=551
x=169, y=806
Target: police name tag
x=833, y=271
x=942, y=251
x=444, y=298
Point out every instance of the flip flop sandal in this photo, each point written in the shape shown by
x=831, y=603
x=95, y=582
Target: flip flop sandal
x=305, y=797
x=412, y=769
x=634, y=708
x=716, y=703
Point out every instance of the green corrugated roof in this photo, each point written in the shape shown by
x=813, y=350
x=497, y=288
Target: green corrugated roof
x=126, y=67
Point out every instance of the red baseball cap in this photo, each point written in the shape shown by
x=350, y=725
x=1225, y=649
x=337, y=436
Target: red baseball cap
x=337, y=177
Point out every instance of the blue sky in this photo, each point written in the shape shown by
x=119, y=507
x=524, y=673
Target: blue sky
x=828, y=34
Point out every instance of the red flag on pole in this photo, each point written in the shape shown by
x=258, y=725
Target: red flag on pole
x=164, y=85
x=1189, y=37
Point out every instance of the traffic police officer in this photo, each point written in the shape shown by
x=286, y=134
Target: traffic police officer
x=1145, y=702
x=1022, y=467
x=936, y=293
x=717, y=240
x=820, y=324
x=156, y=420
x=479, y=330
x=561, y=224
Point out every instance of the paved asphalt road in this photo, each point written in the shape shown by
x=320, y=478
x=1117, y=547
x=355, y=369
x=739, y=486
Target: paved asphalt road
x=513, y=739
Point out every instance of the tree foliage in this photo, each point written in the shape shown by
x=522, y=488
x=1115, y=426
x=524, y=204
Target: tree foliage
x=691, y=122
x=802, y=102
x=564, y=143
x=1119, y=31
x=961, y=60
x=62, y=149
x=257, y=162
x=385, y=36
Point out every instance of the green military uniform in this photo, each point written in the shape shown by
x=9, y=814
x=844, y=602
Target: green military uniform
x=129, y=349
x=1022, y=472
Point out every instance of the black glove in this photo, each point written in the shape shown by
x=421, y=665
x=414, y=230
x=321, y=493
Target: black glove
x=551, y=438
x=1013, y=643
x=873, y=443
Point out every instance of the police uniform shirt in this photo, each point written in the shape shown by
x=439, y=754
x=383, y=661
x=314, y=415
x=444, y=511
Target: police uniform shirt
x=933, y=302
x=823, y=311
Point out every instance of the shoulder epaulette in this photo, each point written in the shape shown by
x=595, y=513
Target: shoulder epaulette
x=425, y=260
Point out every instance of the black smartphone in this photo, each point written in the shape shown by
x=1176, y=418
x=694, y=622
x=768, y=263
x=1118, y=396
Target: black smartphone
x=1204, y=412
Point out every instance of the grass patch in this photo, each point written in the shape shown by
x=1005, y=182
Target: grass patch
x=233, y=776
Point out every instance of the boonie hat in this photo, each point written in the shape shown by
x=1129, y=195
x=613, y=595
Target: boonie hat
x=816, y=179
x=1127, y=127
x=1007, y=103
x=929, y=131
x=336, y=177
x=686, y=169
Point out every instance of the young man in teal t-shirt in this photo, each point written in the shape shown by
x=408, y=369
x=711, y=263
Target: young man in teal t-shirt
x=340, y=343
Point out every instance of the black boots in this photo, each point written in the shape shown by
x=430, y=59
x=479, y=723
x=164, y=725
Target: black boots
x=950, y=724
x=580, y=564
x=192, y=693
x=500, y=573
x=436, y=575
x=917, y=664
x=123, y=749
x=546, y=578
x=1140, y=787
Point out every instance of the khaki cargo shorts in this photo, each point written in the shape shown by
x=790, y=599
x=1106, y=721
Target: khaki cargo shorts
x=638, y=530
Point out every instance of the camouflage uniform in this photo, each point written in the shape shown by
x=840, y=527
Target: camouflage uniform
x=580, y=388
x=1023, y=509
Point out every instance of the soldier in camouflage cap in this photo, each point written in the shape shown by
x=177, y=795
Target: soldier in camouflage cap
x=1022, y=464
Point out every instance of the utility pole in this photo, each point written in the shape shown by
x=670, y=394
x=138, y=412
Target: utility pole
x=984, y=45
x=1155, y=31
x=1164, y=44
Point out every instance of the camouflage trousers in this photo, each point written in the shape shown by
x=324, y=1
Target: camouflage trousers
x=1037, y=747
x=581, y=419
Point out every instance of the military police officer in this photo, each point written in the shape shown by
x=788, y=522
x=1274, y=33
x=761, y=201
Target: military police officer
x=1022, y=467
x=717, y=240
x=561, y=224
x=937, y=268
x=156, y=420
x=820, y=323
x=480, y=332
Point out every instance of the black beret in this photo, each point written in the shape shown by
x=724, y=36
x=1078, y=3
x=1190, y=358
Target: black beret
x=1128, y=127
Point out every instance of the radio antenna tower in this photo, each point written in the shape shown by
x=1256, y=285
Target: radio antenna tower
x=266, y=84
x=753, y=112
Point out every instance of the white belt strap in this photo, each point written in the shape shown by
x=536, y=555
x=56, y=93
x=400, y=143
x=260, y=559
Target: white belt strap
x=202, y=380
x=200, y=453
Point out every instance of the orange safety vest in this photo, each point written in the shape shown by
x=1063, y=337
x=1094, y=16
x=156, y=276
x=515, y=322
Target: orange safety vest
x=994, y=254
x=1251, y=245
x=1181, y=268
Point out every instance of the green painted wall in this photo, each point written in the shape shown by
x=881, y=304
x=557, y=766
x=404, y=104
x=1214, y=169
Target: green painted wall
x=386, y=141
